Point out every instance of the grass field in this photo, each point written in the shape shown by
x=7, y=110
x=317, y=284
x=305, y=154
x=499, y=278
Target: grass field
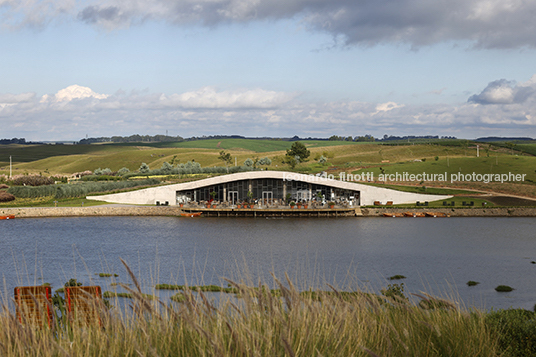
x=64, y=159
x=259, y=146
x=527, y=148
x=342, y=156
x=465, y=165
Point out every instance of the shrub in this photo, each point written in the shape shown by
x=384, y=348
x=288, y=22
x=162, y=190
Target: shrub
x=166, y=167
x=248, y=162
x=394, y=291
x=397, y=277
x=101, y=178
x=123, y=171
x=144, y=168
x=472, y=283
x=265, y=161
x=62, y=179
x=82, y=174
x=3, y=186
x=32, y=180
x=6, y=197
x=32, y=192
x=515, y=330
x=191, y=168
x=503, y=288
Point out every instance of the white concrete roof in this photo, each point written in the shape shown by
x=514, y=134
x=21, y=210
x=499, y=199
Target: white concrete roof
x=369, y=193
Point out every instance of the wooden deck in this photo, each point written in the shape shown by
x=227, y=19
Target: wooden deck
x=275, y=212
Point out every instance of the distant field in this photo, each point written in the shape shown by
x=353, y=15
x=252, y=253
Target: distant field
x=251, y=145
x=527, y=148
x=29, y=153
x=464, y=165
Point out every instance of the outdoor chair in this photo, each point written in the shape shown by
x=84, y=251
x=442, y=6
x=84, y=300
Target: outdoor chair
x=34, y=305
x=83, y=304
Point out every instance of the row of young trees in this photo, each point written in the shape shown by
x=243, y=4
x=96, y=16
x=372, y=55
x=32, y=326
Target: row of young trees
x=188, y=168
x=75, y=190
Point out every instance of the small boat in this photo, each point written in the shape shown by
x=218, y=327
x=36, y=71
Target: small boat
x=191, y=214
x=436, y=214
x=9, y=216
x=414, y=214
x=393, y=215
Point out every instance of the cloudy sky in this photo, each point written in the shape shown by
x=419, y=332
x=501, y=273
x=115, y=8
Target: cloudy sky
x=71, y=68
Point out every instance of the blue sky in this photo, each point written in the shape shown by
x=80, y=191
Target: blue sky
x=316, y=68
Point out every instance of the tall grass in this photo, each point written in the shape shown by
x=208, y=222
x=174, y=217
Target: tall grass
x=261, y=323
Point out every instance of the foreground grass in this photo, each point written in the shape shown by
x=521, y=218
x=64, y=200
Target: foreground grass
x=263, y=322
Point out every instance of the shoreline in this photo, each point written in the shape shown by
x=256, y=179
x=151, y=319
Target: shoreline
x=457, y=212
x=162, y=211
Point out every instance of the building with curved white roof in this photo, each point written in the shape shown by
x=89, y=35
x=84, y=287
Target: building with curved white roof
x=268, y=186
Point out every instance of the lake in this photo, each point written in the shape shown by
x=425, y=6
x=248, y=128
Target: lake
x=436, y=255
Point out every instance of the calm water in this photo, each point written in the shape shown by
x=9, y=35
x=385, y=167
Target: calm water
x=436, y=255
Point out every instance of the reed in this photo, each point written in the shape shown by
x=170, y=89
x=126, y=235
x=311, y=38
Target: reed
x=261, y=322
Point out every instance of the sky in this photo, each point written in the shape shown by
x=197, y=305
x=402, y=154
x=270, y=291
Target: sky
x=312, y=68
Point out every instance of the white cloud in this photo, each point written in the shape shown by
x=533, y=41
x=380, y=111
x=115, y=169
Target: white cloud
x=506, y=92
x=209, y=97
x=255, y=112
x=71, y=93
x=385, y=107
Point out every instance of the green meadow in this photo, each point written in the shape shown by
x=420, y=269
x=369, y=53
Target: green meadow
x=522, y=165
x=65, y=159
x=432, y=157
x=259, y=146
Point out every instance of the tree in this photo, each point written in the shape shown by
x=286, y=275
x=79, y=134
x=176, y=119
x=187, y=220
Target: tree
x=144, y=168
x=248, y=162
x=166, y=167
x=226, y=158
x=123, y=171
x=292, y=161
x=265, y=161
x=300, y=150
x=511, y=146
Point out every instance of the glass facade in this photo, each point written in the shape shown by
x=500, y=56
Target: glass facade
x=262, y=188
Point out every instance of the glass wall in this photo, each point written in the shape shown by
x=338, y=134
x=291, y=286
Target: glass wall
x=299, y=191
x=267, y=185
